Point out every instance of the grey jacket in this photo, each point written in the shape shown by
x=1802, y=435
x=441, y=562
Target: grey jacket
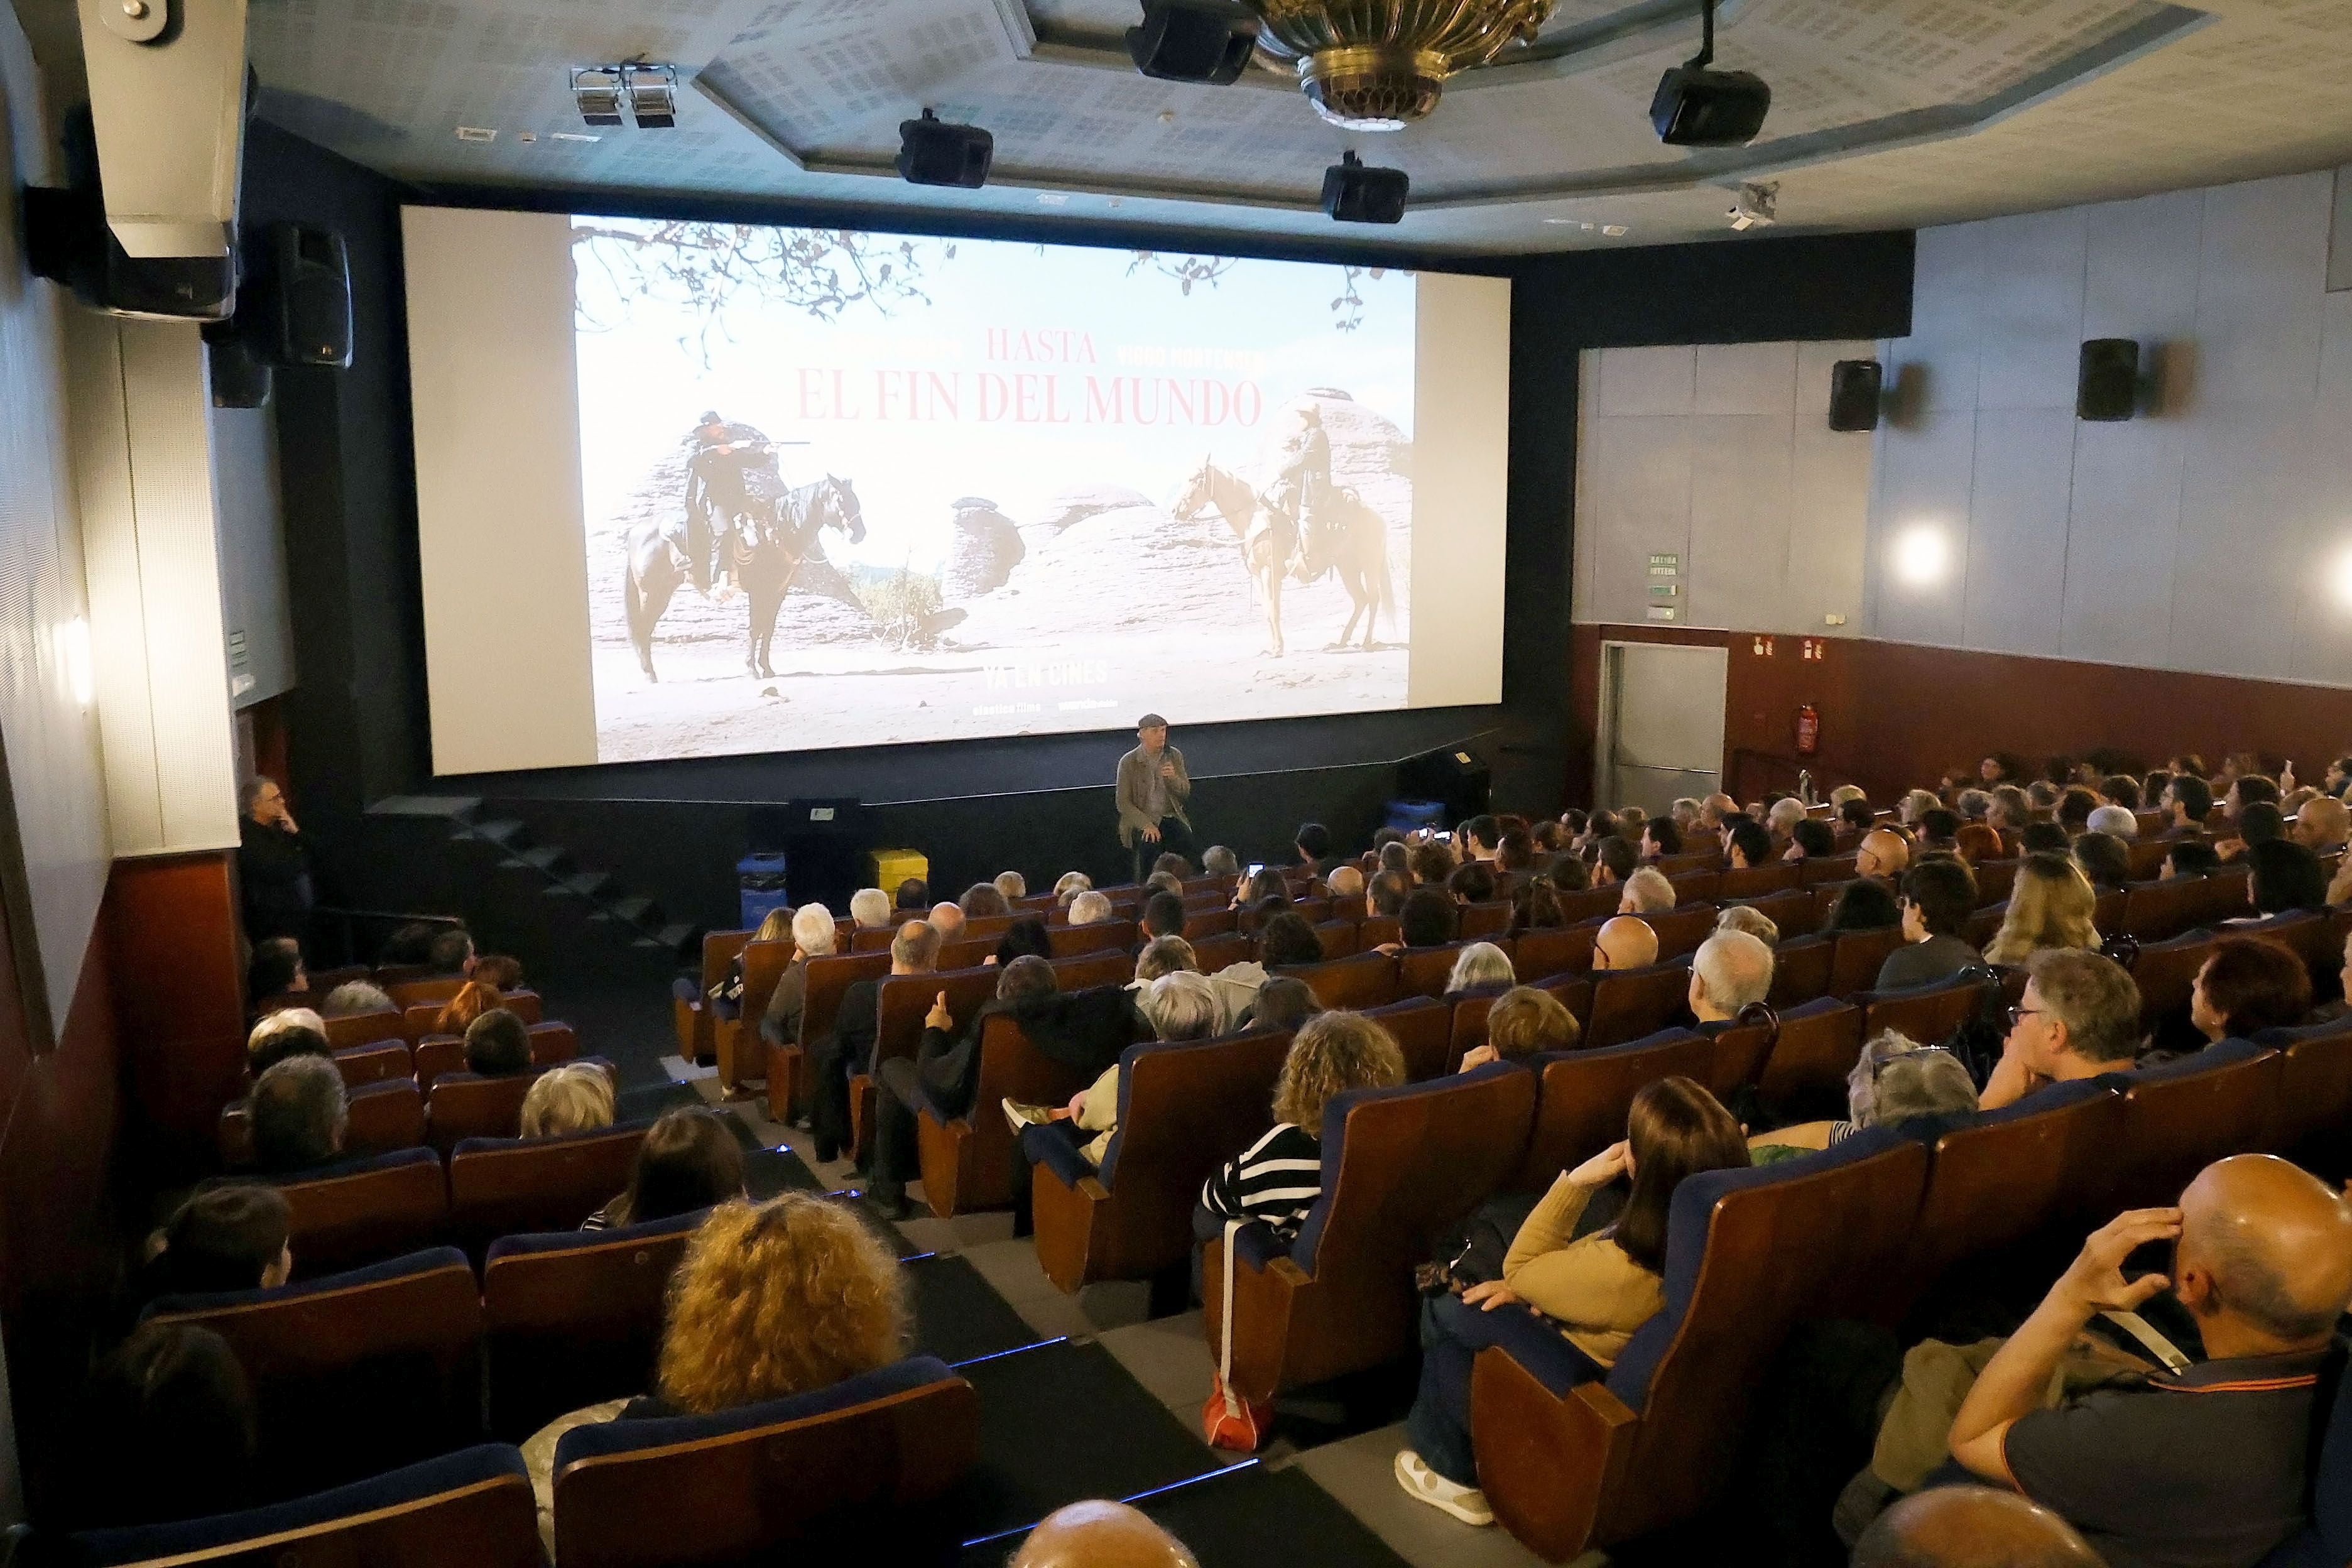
x=1135, y=788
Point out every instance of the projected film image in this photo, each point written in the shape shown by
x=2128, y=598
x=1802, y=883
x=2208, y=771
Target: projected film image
x=848, y=489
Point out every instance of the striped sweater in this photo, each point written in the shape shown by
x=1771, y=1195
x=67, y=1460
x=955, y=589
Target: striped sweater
x=1276, y=1179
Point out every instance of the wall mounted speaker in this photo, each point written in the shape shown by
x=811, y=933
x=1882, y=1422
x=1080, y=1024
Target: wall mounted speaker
x=932, y=152
x=239, y=375
x=1193, y=40
x=313, y=287
x=1854, y=393
x=2109, y=387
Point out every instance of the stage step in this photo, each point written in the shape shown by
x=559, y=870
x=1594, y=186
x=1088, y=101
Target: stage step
x=581, y=885
x=507, y=834
x=458, y=808
x=550, y=859
x=636, y=910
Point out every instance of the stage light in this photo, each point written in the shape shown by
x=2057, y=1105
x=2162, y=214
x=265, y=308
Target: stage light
x=1696, y=107
x=1193, y=40
x=1922, y=556
x=1354, y=192
x=653, y=95
x=79, y=672
x=596, y=93
x=932, y=152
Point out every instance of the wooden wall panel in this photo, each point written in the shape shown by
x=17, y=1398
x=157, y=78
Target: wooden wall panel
x=180, y=996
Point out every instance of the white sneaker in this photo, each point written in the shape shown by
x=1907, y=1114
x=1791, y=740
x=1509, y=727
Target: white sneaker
x=1022, y=1116
x=1423, y=1484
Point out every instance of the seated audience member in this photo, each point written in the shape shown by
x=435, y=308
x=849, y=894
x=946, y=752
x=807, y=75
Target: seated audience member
x=276, y=967
x=2074, y=809
x=1624, y=942
x=1939, y=829
x=1431, y=863
x=1600, y=826
x=1684, y=814
x=847, y=1047
x=408, y=947
x=1915, y=806
x=1970, y=1527
x=813, y=936
x=1523, y=1021
x=1268, y=883
x=2259, y=822
x=1535, y=906
x=1731, y=970
x=354, y=997
x=165, y=1430
x=2249, y=789
x=1973, y=804
x=948, y=919
x=1429, y=919
x=2012, y=811
x=1895, y=1082
x=2190, y=800
x=1165, y=882
x=1217, y=860
x=1101, y=1535
x=1172, y=865
x=1480, y=833
x=290, y=1032
x=1659, y=838
x=2041, y=795
x=1481, y=963
x=2249, y=985
x=497, y=1045
x=2191, y=857
x=771, y=1300
x=1810, y=838
x=1884, y=854
x=451, y=952
x=1754, y=921
x=2050, y=905
x=300, y=1115
x=688, y=1161
x=2079, y=1018
x=2286, y=877
x=1716, y=811
x=2120, y=821
x=1647, y=893
x=1614, y=861
x=1594, y=1289
x=2122, y=791
x=1864, y=904
x=1395, y=854
x=1164, y=915
x=1387, y=893
x=1089, y=908
x=1011, y=885
x=1312, y=847
x=1182, y=1005
x=1783, y=815
x=2337, y=779
x=2322, y=824
x=2043, y=838
x=574, y=1097
x=1569, y=872
x=726, y=997
x=1276, y=1180
x=228, y=1237
x=1472, y=882
x=1163, y=955
x=1345, y=881
x=500, y=972
x=1069, y=885
x=1938, y=897
x=914, y=896
x=1746, y=845
x=2261, y=1259
x=2105, y=859
x=1856, y=817
x=1025, y=937
x=1979, y=841
x=457, y=1015
x=1284, y=1002
x=869, y=908
x=1515, y=852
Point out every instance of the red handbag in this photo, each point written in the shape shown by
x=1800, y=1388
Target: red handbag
x=1227, y=1420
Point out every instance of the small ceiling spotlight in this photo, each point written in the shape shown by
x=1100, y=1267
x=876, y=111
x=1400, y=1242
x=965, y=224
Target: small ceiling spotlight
x=1354, y=192
x=653, y=95
x=1696, y=107
x=933, y=151
x=596, y=93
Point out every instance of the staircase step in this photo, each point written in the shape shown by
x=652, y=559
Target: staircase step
x=551, y=858
x=636, y=910
x=681, y=938
x=455, y=807
x=583, y=884
x=506, y=832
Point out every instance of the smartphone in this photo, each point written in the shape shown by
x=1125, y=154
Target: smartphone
x=1254, y=867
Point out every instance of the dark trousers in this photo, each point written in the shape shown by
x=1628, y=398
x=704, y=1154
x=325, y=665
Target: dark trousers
x=898, y=1151
x=1438, y=1427
x=829, y=1098
x=1175, y=839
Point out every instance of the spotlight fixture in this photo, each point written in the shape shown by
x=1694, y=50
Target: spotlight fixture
x=933, y=151
x=1193, y=40
x=1354, y=192
x=653, y=95
x=596, y=93
x=1696, y=107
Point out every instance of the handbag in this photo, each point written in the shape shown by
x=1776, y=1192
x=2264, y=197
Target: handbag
x=1227, y=1420
x=1980, y=1041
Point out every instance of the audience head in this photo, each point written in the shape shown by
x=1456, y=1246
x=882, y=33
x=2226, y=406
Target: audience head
x=1161, y=955
x=497, y=1045
x=1387, y=894
x=1481, y=963
x=946, y=920
x=2264, y=1255
x=2080, y=1015
x=2074, y=809
x=1979, y=841
x=1313, y=843
x=172, y=1411
x=1172, y=865
x=1616, y=860
x=1938, y=897
x=778, y=1298
x=1481, y=833
x=2051, y=905
x=1332, y=1053
x=229, y=1238
x=1784, y=816
x=2287, y=876
x=2010, y=808
x=1471, y=882
x=288, y=1032
x=2043, y=838
x=1970, y=1527
x=1217, y=860
x=1523, y=1021
x=2192, y=799
x=1732, y=970
x=688, y=1161
x=1535, y=906
x=1345, y=881
x=354, y=997
x=1430, y=919
x=452, y=951
x=1517, y=851
x=1164, y=915
x=1101, y=1535
x=2249, y=789
x=1396, y=855
x=1165, y=882
x=1070, y=884
x=1883, y=853
x=2119, y=821
x=1897, y=1078
x=1745, y=844
x=472, y=1001
x=1182, y=1006
x=499, y=971
x=1024, y=939
x=574, y=1097
x=2323, y=823
x=1268, y=883
x=2121, y=790
x=1660, y=838
x=1811, y=839
x=1676, y=1129
x=277, y=966
x=1286, y=940
x=1031, y=975
x=776, y=925
x=1856, y=814
x=2105, y=858
x=2041, y=795
x=1914, y=805
x=1431, y=862
x=2261, y=822
x=1864, y=905
x=916, y=949
x=1624, y=942
x=1284, y=1002
x=813, y=931
x=869, y=908
x=1011, y=885
x=1717, y=810
x=1752, y=920
x=299, y=1113
x=1973, y=804
x=2249, y=985
x=1647, y=893
x=1939, y=827
x=2192, y=858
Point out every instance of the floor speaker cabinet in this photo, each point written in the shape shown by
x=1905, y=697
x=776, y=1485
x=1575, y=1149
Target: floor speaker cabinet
x=825, y=841
x=1854, y=393
x=1453, y=775
x=2108, y=388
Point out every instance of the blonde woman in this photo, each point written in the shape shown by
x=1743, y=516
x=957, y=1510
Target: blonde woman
x=771, y=1300
x=1523, y=1021
x=573, y=1097
x=813, y=933
x=1481, y=963
x=2050, y=905
x=1278, y=1178
x=1069, y=885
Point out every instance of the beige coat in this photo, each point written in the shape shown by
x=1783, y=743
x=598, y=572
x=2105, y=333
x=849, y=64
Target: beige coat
x=1135, y=788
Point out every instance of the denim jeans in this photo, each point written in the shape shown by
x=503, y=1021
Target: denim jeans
x=1452, y=1335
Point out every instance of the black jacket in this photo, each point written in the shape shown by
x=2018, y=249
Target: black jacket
x=1082, y=1030
x=273, y=870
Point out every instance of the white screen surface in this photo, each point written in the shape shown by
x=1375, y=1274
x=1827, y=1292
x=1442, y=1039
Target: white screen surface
x=1003, y=488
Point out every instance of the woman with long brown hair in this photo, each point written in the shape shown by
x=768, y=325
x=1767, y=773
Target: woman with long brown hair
x=2050, y=905
x=1596, y=1289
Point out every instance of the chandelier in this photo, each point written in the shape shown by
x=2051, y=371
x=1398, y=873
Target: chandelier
x=1380, y=65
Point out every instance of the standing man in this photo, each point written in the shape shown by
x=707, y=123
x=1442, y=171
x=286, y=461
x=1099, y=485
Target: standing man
x=1152, y=789
x=273, y=866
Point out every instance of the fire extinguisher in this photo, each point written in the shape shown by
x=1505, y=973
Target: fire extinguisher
x=1809, y=729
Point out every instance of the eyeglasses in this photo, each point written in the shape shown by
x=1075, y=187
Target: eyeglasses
x=2018, y=1014
x=1880, y=1064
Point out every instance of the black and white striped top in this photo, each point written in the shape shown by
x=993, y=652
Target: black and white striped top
x=1276, y=1179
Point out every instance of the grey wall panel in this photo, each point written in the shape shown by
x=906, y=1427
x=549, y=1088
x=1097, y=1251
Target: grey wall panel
x=2120, y=541
x=2017, y=537
x=1925, y=478
x=1641, y=474
x=2321, y=648
x=2244, y=502
x=1737, y=572
x=1646, y=381
x=2139, y=273
x=1829, y=503
x=1746, y=378
x=2261, y=273
x=1947, y=301
x=2336, y=346
x=252, y=555
x=2030, y=310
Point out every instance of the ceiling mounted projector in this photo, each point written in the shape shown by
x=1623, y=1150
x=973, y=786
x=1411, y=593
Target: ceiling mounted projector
x=1696, y=107
x=1193, y=40
x=932, y=152
x=1354, y=192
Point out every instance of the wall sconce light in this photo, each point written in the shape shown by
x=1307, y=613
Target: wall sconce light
x=79, y=672
x=1922, y=555
x=2340, y=579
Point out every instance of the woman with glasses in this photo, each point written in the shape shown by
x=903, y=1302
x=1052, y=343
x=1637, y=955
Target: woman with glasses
x=1895, y=1082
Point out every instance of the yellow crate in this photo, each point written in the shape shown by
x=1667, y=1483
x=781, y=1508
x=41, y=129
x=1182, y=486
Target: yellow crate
x=892, y=867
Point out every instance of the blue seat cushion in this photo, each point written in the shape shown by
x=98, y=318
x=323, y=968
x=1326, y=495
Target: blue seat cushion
x=426, y=1262
x=541, y=1242
x=2220, y=1053
x=1053, y=1148
x=1538, y=1345
x=611, y=1437
x=494, y=1145
x=1335, y=1143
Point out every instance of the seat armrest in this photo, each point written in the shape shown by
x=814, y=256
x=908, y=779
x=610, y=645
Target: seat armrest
x=1537, y=1344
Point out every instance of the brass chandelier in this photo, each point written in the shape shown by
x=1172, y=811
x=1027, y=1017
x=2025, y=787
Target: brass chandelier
x=1380, y=65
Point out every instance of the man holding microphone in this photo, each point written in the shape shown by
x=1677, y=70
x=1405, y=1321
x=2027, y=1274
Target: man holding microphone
x=1152, y=789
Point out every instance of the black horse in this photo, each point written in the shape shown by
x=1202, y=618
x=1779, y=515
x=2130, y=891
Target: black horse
x=779, y=534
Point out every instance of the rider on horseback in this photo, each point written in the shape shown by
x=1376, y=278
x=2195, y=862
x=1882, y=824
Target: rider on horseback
x=1302, y=480
x=716, y=494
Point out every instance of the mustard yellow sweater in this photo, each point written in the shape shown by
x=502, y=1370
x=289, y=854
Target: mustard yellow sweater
x=1597, y=1294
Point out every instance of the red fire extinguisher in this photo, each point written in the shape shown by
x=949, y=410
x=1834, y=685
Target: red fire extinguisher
x=1809, y=729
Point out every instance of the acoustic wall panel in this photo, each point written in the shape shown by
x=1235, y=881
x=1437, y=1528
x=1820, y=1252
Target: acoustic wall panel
x=2030, y=309
x=1919, y=533
x=1641, y=480
x=2246, y=495
x=2017, y=533
x=2261, y=273
x=1646, y=380
x=1738, y=555
x=2123, y=528
x=1947, y=305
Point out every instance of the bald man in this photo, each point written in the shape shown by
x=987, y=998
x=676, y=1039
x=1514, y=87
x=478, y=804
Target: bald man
x=1716, y=810
x=1345, y=881
x=2262, y=1259
x=949, y=919
x=1884, y=853
x=1100, y=1536
x=1970, y=1527
x=1625, y=943
x=2323, y=824
x=1731, y=970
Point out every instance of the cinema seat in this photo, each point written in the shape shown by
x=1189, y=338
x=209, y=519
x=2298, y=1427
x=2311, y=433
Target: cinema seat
x=1485, y=921
x=1556, y=950
x=1468, y=1030
x=383, y=1117
x=2181, y=1117
x=1855, y=965
x=2313, y=1123
x=1399, y=1166
x=424, y=1018
x=1750, y=883
x=1216, y=953
x=425, y=990
x=1820, y=868
x=1573, y=1457
x=2327, y=1540
x=363, y=1028
x=750, y=1483
x=1582, y=1096
x=375, y=1062
x=439, y=1054
x=1800, y=968
x=472, y=1507
x=1425, y=971
x=735, y=1042
x=1925, y=1013
x=693, y=1024
x=1817, y=1046
x=575, y=1317
x=1336, y=939
x=1628, y=1003
x=1367, y=980
x=967, y=1163
x=2226, y=895
x=828, y=978
x=1575, y=994
x=508, y=1187
x=1069, y=942
x=905, y=1001
x=1994, y=881
x=400, y=1342
x=2164, y=971
x=462, y=1105
x=1698, y=887
x=1423, y=1027
x=1591, y=903
x=1184, y=1109
x=1202, y=924
x=364, y=1210
x=1089, y=969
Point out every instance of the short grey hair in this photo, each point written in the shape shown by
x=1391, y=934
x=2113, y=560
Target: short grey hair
x=1070, y=886
x=1844, y=793
x=1785, y=814
x=1649, y=891
x=1482, y=963
x=1736, y=968
x=1973, y=804
x=299, y=1110
x=812, y=930
x=1754, y=921
x=2093, y=996
x=1166, y=955
x=870, y=908
x=1217, y=860
x=1088, y=908
x=353, y=996
x=1897, y=1078
x=1013, y=885
x=1180, y=1007
x=287, y=1019
x=2119, y=820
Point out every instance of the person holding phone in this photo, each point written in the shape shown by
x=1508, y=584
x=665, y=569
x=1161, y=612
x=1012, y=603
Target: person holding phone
x=1152, y=790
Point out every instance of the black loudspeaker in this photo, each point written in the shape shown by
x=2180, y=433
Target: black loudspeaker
x=1694, y=107
x=933, y=152
x=1193, y=40
x=1854, y=394
x=1452, y=775
x=311, y=277
x=240, y=374
x=2109, y=386
x=1354, y=192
